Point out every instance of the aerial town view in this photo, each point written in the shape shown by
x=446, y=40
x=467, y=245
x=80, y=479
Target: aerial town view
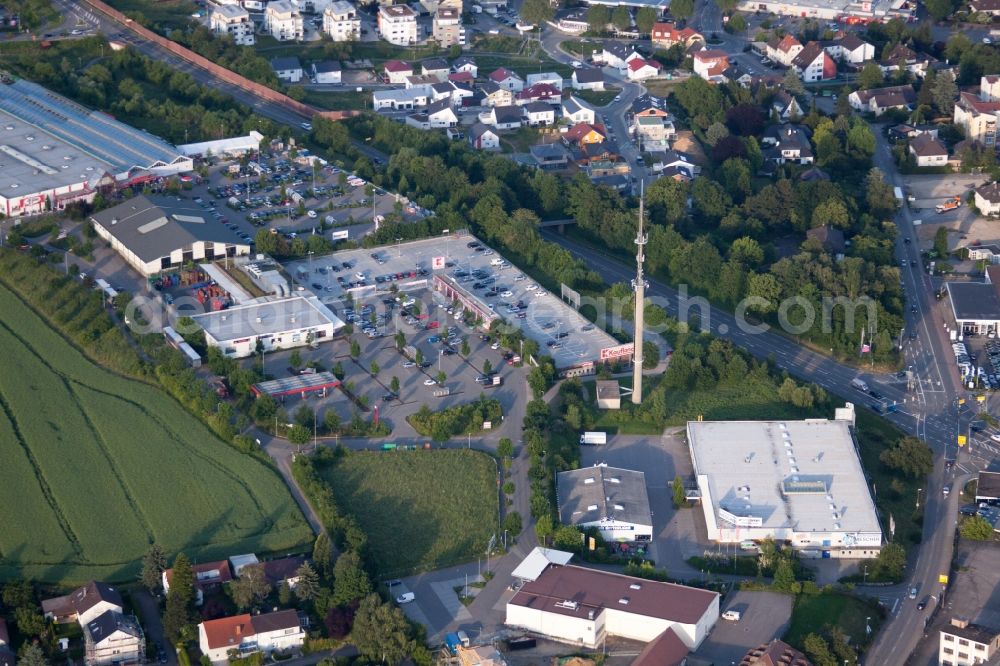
x=499, y=332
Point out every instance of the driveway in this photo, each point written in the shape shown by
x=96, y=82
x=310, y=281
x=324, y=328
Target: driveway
x=764, y=616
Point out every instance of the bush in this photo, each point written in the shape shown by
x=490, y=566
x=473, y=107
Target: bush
x=457, y=420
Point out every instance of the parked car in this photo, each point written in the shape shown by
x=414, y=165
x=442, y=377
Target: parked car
x=405, y=598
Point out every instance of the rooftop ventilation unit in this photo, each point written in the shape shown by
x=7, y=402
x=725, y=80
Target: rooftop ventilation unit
x=623, y=601
x=635, y=586
x=588, y=480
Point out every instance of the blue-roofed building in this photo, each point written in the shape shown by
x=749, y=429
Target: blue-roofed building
x=54, y=151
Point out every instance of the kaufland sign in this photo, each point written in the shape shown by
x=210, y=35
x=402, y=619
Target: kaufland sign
x=609, y=353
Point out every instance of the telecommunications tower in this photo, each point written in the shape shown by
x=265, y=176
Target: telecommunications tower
x=639, y=286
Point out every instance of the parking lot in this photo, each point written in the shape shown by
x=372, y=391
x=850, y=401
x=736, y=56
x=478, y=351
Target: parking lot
x=476, y=270
x=763, y=616
x=676, y=533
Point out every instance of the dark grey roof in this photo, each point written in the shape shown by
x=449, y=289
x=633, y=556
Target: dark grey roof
x=490, y=87
x=480, y=129
x=434, y=64
x=443, y=87
x=588, y=75
x=671, y=156
x=647, y=101
x=507, y=114
x=82, y=599
x=277, y=571
x=539, y=107
x=572, y=104
x=972, y=632
x=283, y=619
x=107, y=623
x=619, y=50
x=974, y=301
x=850, y=41
x=925, y=145
x=326, y=67
x=440, y=105
x=615, y=181
x=990, y=192
x=988, y=486
x=594, y=494
x=285, y=62
x=153, y=227
x=463, y=60
x=7, y=658
x=549, y=152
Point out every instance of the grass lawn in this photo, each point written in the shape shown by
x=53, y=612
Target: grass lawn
x=812, y=612
x=169, y=13
x=420, y=509
x=598, y=97
x=522, y=64
x=339, y=101
x=519, y=141
x=661, y=87
x=96, y=467
x=498, y=44
x=578, y=47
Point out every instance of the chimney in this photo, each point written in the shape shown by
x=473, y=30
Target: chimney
x=239, y=630
x=959, y=622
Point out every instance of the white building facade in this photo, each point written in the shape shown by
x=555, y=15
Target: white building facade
x=233, y=21
x=397, y=24
x=283, y=21
x=342, y=22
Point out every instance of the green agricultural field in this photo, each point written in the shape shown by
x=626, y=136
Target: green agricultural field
x=420, y=509
x=96, y=467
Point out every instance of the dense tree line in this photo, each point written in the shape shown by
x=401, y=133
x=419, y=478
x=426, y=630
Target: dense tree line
x=442, y=424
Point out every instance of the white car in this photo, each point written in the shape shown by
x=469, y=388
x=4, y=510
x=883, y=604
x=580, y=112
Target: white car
x=531, y=287
x=429, y=382
x=731, y=615
x=496, y=261
x=359, y=275
x=987, y=40
x=405, y=598
x=409, y=364
x=506, y=294
x=995, y=438
x=495, y=345
x=311, y=213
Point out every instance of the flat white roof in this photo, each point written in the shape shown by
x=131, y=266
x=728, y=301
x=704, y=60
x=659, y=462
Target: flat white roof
x=538, y=560
x=267, y=316
x=802, y=475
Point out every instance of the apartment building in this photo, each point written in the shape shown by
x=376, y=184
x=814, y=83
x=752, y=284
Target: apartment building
x=977, y=118
x=964, y=644
x=397, y=24
x=234, y=21
x=283, y=21
x=447, y=27
x=341, y=22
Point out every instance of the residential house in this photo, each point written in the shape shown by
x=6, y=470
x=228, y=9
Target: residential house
x=987, y=198
x=539, y=113
x=677, y=173
x=783, y=49
x=288, y=69
x=813, y=174
x=786, y=106
x=506, y=78
x=585, y=133
x=648, y=105
x=853, y=50
x=437, y=68
x=82, y=604
x=738, y=74
x=234, y=21
x=710, y=64
x=550, y=155
x=977, y=118
x=243, y=635
x=989, y=88
x=286, y=569
x=465, y=64
x=880, y=100
x=283, y=21
x=439, y=114
x=679, y=160
x=397, y=24
x=829, y=238
x=775, y=653
x=653, y=133
x=991, y=7
x=786, y=144
x=588, y=79
x=401, y=99
x=505, y=117
x=484, y=137
x=575, y=110
x=928, y=151
x=496, y=95
x=540, y=92
x=551, y=78
x=113, y=639
x=419, y=80
x=617, y=55
x=328, y=71
x=7, y=656
x=207, y=576
x=342, y=22
x=988, y=253
x=640, y=69
x=396, y=71
x=464, y=78
x=964, y=644
x=446, y=28
x=813, y=64
x=906, y=132
x=665, y=35
x=667, y=649
x=902, y=57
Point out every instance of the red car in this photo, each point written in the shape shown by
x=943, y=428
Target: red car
x=433, y=324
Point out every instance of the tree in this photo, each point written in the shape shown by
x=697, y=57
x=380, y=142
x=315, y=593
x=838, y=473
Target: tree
x=890, y=562
x=487, y=367
x=945, y=92
x=284, y=593
x=299, y=435
x=153, y=564
x=464, y=349
x=322, y=555
x=598, y=18
x=818, y=651
x=379, y=631
x=793, y=84
x=870, y=76
x=331, y=420
x=355, y=349
x=375, y=368
x=975, y=528
x=682, y=9
x=394, y=385
x=715, y=133
x=18, y=594
x=295, y=359
x=784, y=576
x=544, y=528
x=567, y=537
x=512, y=523
x=308, y=586
x=941, y=242
x=440, y=377
x=680, y=496
x=29, y=621
x=537, y=12
x=180, y=599
x=909, y=456
x=251, y=587
x=505, y=448
x=620, y=17
x=736, y=23
x=400, y=340
x=645, y=19
x=350, y=581
x=939, y=9
x=31, y=655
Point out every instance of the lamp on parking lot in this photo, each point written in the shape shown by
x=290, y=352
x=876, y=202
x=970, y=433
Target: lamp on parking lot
x=918, y=496
x=399, y=252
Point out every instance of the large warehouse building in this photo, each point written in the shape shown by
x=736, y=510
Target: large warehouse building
x=583, y=606
x=54, y=152
x=275, y=323
x=155, y=234
x=794, y=481
x=611, y=499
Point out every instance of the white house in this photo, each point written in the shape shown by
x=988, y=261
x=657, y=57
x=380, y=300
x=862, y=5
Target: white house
x=328, y=71
x=234, y=21
x=484, y=137
x=506, y=78
x=988, y=199
x=617, y=55
x=783, y=49
x=551, y=78
x=402, y=99
x=505, y=117
x=435, y=67
x=83, y=604
x=539, y=113
x=465, y=64
x=288, y=68
x=989, y=88
x=710, y=64
x=786, y=106
x=640, y=70
x=243, y=635
x=207, y=576
x=283, y=21
x=575, y=110
x=965, y=644
x=854, y=50
x=588, y=79
x=813, y=64
x=495, y=95
x=928, y=151
x=397, y=24
x=397, y=71
x=113, y=639
x=880, y=100
x=342, y=22
x=439, y=114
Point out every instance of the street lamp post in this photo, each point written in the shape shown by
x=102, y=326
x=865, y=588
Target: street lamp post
x=399, y=251
x=918, y=497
